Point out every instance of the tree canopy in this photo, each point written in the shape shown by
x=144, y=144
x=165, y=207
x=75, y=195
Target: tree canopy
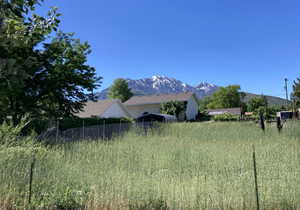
x=173, y=108
x=120, y=90
x=226, y=97
x=296, y=92
x=257, y=102
x=43, y=71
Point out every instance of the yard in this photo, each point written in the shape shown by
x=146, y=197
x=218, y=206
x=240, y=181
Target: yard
x=180, y=166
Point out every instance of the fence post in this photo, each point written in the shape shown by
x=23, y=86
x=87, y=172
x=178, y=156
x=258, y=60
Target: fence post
x=120, y=126
x=279, y=125
x=57, y=130
x=103, y=136
x=83, y=130
x=262, y=122
x=255, y=178
x=31, y=179
x=98, y=129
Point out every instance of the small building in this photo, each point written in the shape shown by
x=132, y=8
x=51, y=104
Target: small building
x=137, y=105
x=233, y=111
x=284, y=115
x=248, y=114
x=149, y=117
x=111, y=108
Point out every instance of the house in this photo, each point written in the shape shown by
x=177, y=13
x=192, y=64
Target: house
x=233, y=111
x=104, y=109
x=138, y=105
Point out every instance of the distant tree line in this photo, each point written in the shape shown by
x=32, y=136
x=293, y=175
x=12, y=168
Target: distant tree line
x=232, y=97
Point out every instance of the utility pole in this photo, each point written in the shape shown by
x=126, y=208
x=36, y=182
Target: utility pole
x=286, y=92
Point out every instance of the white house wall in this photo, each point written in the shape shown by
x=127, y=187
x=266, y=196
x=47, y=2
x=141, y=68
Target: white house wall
x=114, y=111
x=138, y=110
x=192, y=109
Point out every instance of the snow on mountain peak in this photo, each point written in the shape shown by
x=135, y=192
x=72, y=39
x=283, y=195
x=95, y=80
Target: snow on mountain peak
x=165, y=85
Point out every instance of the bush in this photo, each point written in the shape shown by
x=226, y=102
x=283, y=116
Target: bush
x=226, y=117
x=11, y=135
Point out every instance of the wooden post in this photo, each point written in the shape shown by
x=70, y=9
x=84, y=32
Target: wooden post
x=262, y=122
x=255, y=179
x=279, y=125
x=31, y=179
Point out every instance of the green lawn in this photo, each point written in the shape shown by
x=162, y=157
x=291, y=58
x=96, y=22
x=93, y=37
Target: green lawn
x=180, y=166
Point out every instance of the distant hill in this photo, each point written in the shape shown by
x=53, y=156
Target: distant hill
x=167, y=85
x=272, y=100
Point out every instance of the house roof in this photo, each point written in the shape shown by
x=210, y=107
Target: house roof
x=158, y=99
x=97, y=108
x=235, y=111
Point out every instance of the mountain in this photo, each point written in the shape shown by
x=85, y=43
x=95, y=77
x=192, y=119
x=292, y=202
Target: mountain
x=272, y=100
x=166, y=85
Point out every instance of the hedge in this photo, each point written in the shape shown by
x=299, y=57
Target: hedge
x=226, y=117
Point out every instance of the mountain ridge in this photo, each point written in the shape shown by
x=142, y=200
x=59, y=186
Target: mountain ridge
x=167, y=85
x=164, y=85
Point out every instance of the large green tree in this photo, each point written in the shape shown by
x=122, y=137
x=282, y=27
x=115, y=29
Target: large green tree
x=257, y=102
x=120, y=90
x=173, y=108
x=43, y=71
x=226, y=97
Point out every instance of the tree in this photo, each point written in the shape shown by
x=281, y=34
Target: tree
x=43, y=71
x=120, y=90
x=257, y=102
x=203, y=103
x=173, y=108
x=296, y=92
x=226, y=97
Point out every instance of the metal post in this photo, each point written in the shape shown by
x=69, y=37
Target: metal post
x=57, y=130
x=31, y=179
x=255, y=178
x=98, y=129
x=103, y=136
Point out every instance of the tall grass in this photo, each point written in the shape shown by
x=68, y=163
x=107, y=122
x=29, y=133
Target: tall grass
x=183, y=166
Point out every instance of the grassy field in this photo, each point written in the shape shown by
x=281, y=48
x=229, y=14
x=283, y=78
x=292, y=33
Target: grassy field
x=180, y=166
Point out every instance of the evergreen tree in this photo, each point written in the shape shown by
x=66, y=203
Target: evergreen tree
x=296, y=92
x=120, y=90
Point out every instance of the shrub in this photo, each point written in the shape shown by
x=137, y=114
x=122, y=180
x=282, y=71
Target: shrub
x=226, y=117
x=11, y=135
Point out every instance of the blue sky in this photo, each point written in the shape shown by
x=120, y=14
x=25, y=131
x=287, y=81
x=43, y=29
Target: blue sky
x=252, y=43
